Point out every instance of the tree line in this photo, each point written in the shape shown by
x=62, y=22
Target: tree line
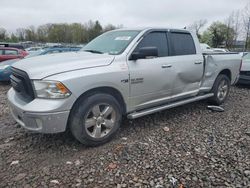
x=76, y=33
x=225, y=33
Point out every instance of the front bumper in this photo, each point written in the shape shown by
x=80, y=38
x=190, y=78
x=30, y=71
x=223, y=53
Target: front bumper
x=40, y=115
x=244, y=79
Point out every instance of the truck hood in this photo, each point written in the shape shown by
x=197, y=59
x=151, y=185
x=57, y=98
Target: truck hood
x=45, y=65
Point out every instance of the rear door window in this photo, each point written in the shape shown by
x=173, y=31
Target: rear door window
x=1, y=52
x=182, y=44
x=10, y=52
x=155, y=39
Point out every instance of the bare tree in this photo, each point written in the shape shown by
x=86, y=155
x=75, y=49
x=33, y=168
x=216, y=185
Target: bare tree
x=246, y=24
x=20, y=32
x=197, y=26
x=233, y=24
x=3, y=34
x=235, y=16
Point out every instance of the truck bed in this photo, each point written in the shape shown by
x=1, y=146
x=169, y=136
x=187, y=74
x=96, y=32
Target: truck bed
x=214, y=62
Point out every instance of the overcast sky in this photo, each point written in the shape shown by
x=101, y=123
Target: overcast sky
x=130, y=13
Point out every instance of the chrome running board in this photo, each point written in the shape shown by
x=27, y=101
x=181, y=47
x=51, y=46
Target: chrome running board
x=141, y=113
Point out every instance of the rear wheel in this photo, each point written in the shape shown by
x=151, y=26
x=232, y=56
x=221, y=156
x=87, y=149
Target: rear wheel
x=95, y=119
x=220, y=89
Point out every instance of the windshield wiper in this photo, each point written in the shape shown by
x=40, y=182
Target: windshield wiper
x=94, y=51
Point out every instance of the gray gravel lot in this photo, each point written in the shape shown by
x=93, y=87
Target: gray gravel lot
x=189, y=146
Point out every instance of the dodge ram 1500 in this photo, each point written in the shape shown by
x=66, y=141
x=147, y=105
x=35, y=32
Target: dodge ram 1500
x=126, y=72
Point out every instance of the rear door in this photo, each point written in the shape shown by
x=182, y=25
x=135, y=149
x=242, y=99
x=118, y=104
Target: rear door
x=187, y=65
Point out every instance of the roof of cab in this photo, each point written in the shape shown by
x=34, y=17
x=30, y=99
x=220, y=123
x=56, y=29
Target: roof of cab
x=154, y=28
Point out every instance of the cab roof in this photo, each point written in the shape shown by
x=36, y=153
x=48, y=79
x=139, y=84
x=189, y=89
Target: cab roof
x=154, y=28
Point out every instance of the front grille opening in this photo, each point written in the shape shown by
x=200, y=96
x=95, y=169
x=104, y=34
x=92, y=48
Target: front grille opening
x=20, y=81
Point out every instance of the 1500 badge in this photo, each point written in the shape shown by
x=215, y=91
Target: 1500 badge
x=133, y=81
x=136, y=80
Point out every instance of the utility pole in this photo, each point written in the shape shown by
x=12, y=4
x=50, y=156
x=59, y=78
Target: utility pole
x=248, y=28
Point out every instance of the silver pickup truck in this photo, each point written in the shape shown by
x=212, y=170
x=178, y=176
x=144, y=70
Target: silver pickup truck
x=126, y=72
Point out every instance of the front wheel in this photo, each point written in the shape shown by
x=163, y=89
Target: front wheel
x=95, y=119
x=220, y=89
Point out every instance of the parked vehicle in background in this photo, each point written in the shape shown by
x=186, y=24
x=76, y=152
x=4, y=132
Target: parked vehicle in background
x=243, y=53
x=33, y=49
x=205, y=47
x=126, y=72
x=12, y=45
x=220, y=50
x=53, y=50
x=5, y=69
x=245, y=70
x=7, y=53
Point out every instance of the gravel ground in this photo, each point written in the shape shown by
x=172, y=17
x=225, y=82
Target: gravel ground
x=188, y=146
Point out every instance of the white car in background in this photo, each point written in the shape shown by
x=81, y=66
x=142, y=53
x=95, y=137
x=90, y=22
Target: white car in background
x=220, y=50
x=243, y=54
x=207, y=49
x=245, y=70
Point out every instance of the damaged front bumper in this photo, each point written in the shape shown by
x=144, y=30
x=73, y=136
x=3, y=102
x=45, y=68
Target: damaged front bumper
x=39, y=115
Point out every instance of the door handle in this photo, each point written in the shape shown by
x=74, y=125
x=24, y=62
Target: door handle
x=166, y=66
x=198, y=62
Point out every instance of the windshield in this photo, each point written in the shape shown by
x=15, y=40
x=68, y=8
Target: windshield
x=34, y=53
x=114, y=42
x=247, y=56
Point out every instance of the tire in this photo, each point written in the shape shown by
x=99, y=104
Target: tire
x=220, y=90
x=95, y=119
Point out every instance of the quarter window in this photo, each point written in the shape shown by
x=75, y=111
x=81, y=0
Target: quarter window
x=182, y=44
x=155, y=39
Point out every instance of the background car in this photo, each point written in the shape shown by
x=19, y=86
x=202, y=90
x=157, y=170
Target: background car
x=5, y=67
x=205, y=48
x=220, y=50
x=12, y=45
x=53, y=51
x=245, y=70
x=243, y=53
x=33, y=49
x=7, y=53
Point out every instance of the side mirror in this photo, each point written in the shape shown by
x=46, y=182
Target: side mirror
x=145, y=52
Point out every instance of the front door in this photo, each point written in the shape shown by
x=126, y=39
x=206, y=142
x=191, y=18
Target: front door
x=151, y=79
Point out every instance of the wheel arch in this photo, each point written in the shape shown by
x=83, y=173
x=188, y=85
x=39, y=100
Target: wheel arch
x=226, y=72
x=107, y=90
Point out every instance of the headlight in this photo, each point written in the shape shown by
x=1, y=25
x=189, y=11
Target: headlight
x=50, y=90
x=2, y=67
